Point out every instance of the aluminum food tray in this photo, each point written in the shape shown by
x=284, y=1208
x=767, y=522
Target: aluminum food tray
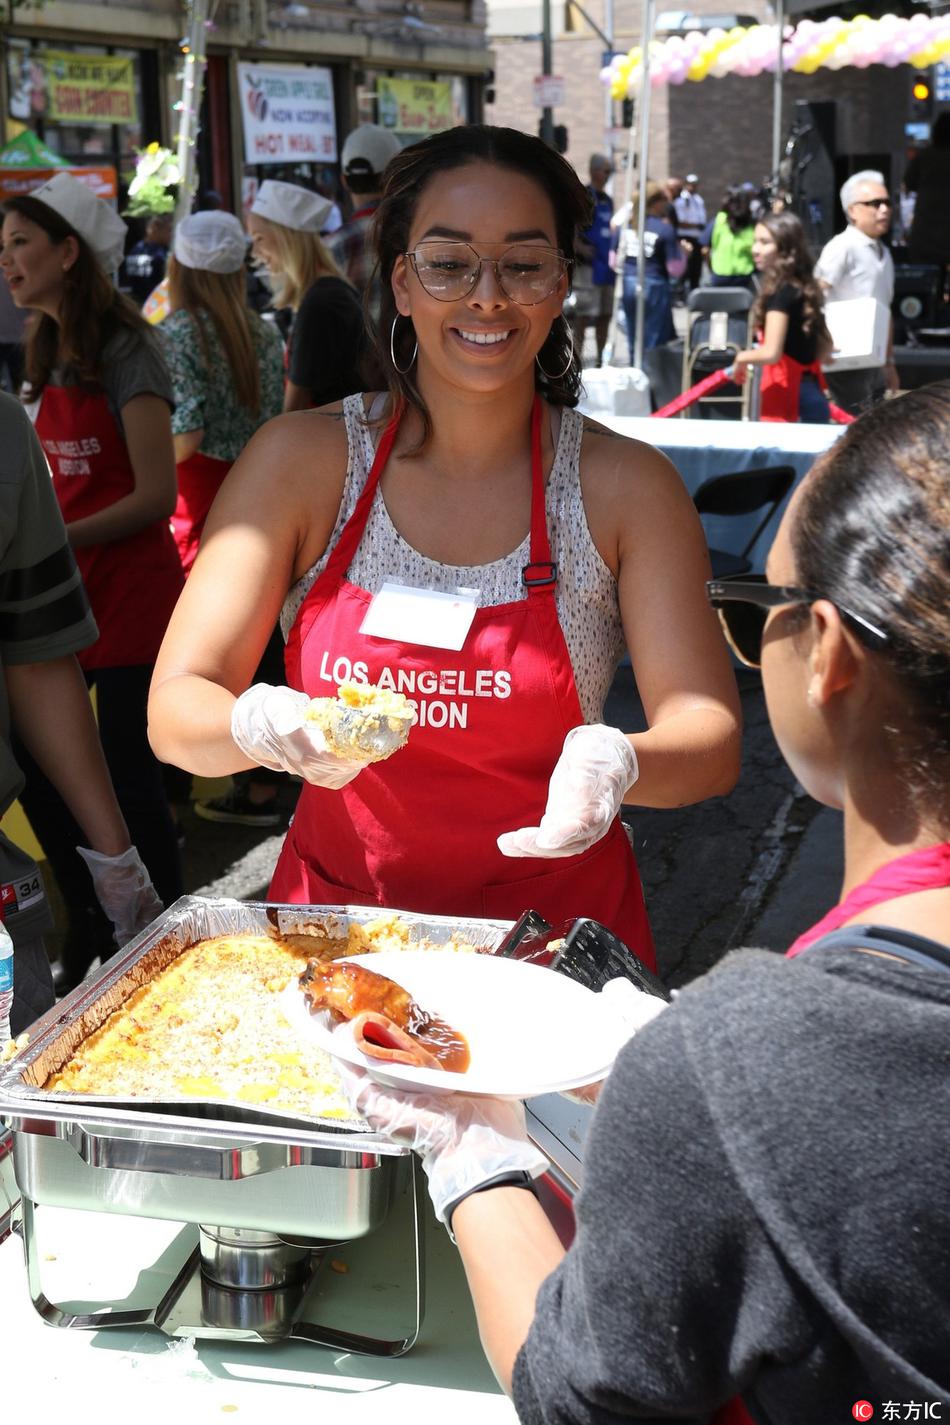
x=188, y=1160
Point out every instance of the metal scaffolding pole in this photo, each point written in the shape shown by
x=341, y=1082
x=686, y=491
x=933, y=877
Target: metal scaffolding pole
x=189, y=105
x=778, y=89
x=643, y=118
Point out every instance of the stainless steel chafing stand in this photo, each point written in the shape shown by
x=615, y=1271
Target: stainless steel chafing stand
x=270, y=1193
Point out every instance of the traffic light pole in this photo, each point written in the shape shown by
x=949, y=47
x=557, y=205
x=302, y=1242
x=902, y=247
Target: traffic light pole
x=547, y=113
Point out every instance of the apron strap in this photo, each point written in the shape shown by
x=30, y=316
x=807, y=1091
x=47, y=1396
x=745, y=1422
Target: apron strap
x=540, y=575
x=345, y=552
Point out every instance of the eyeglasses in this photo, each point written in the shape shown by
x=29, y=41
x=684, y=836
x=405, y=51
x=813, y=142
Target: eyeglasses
x=743, y=607
x=451, y=270
x=874, y=203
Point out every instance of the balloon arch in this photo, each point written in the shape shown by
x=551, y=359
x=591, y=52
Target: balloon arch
x=921, y=40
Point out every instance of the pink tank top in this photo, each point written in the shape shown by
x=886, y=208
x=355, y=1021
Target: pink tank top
x=920, y=870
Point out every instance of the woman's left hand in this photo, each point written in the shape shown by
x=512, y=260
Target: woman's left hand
x=597, y=766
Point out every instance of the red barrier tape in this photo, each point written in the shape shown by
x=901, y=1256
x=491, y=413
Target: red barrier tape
x=840, y=417
x=721, y=378
x=695, y=393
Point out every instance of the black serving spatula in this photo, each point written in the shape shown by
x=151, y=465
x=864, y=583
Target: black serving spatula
x=582, y=949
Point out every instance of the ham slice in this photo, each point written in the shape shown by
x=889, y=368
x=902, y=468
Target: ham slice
x=377, y=1036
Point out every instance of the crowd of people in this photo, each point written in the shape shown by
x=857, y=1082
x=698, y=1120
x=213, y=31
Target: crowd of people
x=772, y=1143
x=750, y=242
x=140, y=421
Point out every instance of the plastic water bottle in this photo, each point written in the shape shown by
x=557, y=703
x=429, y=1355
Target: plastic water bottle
x=6, y=983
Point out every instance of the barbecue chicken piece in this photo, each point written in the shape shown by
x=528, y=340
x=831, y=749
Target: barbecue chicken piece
x=387, y=1022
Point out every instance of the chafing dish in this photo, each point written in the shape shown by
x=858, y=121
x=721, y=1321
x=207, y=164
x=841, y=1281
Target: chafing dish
x=249, y=1177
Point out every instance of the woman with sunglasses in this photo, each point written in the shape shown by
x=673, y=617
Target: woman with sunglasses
x=763, y=1230
x=788, y=316
x=528, y=546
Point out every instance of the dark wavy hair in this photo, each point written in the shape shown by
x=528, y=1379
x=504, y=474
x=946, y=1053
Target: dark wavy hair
x=92, y=310
x=405, y=179
x=872, y=534
x=737, y=206
x=793, y=266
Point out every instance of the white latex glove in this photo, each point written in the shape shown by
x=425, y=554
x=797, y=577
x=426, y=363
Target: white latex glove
x=463, y=1141
x=630, y=1009
x=124, y=890
x=596, y=767
x=268, y=725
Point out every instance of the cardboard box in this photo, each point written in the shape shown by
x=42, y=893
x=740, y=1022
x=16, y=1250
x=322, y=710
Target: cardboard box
x=859, y=329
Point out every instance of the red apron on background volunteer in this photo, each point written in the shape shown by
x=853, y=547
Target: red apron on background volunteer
x=418, y=832
x=132, y=583
x=780, y=387
x=200, y=477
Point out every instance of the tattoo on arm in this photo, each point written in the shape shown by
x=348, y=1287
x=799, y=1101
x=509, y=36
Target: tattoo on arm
x=590, y=429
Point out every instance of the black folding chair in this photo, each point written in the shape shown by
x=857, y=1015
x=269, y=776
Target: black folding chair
x=748, y=493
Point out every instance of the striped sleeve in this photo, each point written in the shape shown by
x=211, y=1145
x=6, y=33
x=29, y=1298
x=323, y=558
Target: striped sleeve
x=44, y=612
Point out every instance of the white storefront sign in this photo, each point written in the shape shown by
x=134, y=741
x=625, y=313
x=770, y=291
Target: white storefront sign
x=287, y=114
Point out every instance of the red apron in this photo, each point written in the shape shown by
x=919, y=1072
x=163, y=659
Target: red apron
x=132, y=583
x=200, y=477
x=418, y=832
x=780, y=386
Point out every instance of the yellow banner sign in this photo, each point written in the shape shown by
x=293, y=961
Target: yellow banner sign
x=89, y=88
x=414, y=108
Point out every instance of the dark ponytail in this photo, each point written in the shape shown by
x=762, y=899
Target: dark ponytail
x=873, y=534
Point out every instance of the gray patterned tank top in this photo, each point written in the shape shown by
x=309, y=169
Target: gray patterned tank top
x=587, y=603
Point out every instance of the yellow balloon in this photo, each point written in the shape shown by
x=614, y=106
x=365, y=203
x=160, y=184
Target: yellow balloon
x=698, y=69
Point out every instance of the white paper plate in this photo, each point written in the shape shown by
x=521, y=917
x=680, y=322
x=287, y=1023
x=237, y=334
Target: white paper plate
x=530, y=1031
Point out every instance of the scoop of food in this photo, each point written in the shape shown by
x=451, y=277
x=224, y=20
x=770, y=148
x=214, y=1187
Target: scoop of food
x=387, y=1022
x=363, y=722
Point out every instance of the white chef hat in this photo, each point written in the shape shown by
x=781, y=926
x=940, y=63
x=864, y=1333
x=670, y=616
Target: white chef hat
x=213, y=241
x=367, y=151
x=291, y=206
x=89, y=216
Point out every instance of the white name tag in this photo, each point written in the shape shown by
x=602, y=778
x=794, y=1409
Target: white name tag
x=421, y=616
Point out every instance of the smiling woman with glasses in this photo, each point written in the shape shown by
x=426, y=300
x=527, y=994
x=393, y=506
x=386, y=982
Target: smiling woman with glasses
x=769, y=1145
x=467, y=538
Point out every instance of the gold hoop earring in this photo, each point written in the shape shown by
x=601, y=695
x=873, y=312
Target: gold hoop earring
x=570, y=360
x=392, y=349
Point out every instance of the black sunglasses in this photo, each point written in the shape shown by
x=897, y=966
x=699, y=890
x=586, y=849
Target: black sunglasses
x=874, y=202
x=743, y=607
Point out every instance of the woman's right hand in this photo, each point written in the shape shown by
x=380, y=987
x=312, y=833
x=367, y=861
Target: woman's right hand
x=268, y=724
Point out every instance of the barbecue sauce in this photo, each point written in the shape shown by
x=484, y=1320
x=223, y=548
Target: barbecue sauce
x=442, y=1041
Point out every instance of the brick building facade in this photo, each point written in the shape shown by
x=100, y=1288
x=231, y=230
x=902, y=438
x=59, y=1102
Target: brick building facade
x=719, y=128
